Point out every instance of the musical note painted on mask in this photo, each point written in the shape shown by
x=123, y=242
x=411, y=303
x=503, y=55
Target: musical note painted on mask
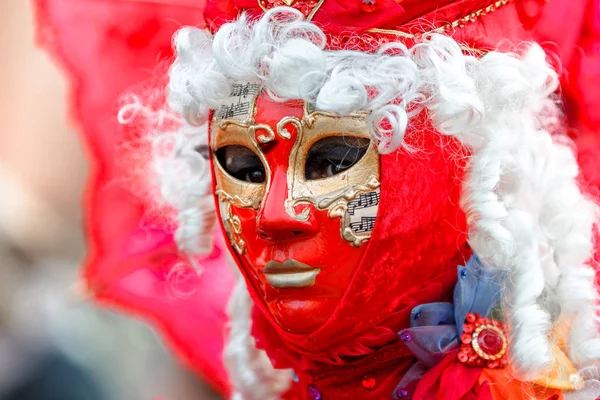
x=366, y=224
x=239, y=103
x=364, y=200
x=363, y=211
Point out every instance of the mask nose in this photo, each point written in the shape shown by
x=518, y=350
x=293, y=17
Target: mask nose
x=274, y=223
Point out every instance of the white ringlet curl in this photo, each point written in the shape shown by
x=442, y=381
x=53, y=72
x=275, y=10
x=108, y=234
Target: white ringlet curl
x=388, y=139
x=504, y=211
x=231, y=52
x=455, y=106
x=404, y=78
x=299, y=57
x=183, y=175
x=181, y=182
x=525, y=211
x=194, y=78
x=248, y=367
x=310, y=85
x=567, y=218
x=133, y=108
x=342, y=95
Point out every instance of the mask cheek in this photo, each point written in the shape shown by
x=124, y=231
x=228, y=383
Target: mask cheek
x=255, y=248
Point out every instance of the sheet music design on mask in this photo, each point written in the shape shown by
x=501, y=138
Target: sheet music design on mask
x=238, y=104
x=362, y=212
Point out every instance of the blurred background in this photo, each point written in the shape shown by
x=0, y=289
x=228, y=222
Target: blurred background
x=53, y=343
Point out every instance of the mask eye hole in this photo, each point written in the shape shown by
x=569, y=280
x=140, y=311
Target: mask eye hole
x=333, y=155
x=241, y=163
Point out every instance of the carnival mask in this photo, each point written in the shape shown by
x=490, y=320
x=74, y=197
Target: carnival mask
x=298, y=192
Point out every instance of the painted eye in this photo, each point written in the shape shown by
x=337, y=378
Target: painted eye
x=333, y=155
x=241, y=163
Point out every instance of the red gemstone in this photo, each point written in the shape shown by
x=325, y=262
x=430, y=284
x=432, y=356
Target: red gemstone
x=369, y=382
x=490, y=342
x=368, y=6
x=466, y=338
x=305, y=8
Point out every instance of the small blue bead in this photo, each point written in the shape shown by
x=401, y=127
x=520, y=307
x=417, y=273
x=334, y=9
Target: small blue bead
x=417, y=315
x=463, y=274
x=294, y=376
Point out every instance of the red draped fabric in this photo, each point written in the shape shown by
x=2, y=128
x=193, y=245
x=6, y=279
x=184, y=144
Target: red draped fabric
x=107, y=47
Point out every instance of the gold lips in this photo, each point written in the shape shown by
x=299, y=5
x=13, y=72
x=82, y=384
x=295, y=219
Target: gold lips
x=290, y=273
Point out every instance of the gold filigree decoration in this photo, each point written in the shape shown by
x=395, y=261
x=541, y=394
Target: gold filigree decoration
x=290, y=3
x=290, y=202
x=290, y=205
x=283, y=132
x=341, y=210
x=350, y=193
x=244, y=194
x=314, y=10
x=232, y=221
x=332, y=193
x=252, y=128
x=450, y=26
x=263, y=139
x=338, y=208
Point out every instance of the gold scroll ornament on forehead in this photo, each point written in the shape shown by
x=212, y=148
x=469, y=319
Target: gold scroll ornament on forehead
x=308, y=7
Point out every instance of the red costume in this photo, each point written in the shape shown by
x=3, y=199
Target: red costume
x=342, y=266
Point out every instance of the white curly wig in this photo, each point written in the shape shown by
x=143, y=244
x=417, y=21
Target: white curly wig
x=525, y=211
